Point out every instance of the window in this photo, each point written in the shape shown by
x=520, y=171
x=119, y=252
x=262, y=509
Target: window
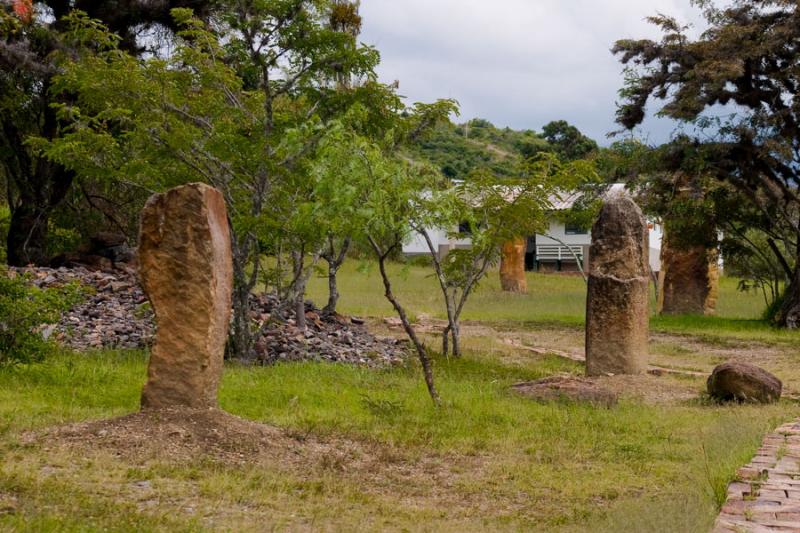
x=574, y=229
x=465, y=228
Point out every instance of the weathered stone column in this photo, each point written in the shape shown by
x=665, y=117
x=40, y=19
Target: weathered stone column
x=186, y=270
x=689, y=278
x=512, y=266
x=617, y=317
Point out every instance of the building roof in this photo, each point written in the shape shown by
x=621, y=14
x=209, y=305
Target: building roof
x=566, y=200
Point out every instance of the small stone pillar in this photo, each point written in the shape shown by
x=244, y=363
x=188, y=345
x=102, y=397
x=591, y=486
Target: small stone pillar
x=186, y=270
x=689, y=278
x=512, y=266
x=617, y=310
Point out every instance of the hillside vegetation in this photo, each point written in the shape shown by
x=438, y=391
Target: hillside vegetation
x=458, y=149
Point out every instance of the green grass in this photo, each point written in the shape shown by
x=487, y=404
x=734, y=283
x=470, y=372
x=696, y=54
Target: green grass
x=576, y=465
x=551, y=299
x=486, y=460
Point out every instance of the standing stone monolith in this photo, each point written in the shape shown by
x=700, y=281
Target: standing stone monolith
x=186, y=270
x=617, y=314
x=689, y=279
x=512, y=266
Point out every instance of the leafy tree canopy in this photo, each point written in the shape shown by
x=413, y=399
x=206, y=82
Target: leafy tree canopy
x=567, y=141
x=737, y=83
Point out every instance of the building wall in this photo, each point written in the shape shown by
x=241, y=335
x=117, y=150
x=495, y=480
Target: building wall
x=557, y=229
x=417, y=244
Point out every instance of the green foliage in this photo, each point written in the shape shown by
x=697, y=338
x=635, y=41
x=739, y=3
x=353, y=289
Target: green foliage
x=477, y=145
x=62, y=240
x=749, y=257
x=567, y=141
x=625, y=161
x=457, y=156
x=752, y=145
x=34, y=50
x=500, y=210
x=24, y=310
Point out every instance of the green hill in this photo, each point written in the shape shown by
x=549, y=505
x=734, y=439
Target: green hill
x=457, y=149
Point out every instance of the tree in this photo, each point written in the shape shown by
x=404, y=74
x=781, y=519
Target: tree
x=497, y=210
x=217, y=110
x=345, y=18
x=567, y=141
x=31, y=34
x=745, y=66
x=384, y=190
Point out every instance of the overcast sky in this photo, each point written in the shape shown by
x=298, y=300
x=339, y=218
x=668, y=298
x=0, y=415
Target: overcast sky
x=517, y=63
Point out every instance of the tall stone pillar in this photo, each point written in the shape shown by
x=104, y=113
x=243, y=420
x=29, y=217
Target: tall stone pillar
x=512, y=266
x=186, y=270
x=617, y=311
x=689, y=277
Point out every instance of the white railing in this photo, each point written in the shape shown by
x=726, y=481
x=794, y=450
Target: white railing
x=555, y=252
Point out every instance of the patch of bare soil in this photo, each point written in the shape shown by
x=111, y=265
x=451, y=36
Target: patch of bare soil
x=169, y=434
x=98, y=457
x=731, y=349
x=653, y=389
x=607, y=390
x=568, y=388
x=183, y=436
x=8, y=503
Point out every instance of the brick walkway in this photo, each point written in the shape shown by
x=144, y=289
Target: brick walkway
x=766, y=495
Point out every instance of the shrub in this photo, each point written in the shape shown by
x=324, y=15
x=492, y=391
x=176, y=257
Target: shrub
x=24, y=312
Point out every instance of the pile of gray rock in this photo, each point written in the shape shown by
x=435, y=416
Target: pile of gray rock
x=116, y=314
x=332, y=338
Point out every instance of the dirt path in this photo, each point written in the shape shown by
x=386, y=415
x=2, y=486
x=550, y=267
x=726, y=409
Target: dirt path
x=670, y=354
x=766, y=495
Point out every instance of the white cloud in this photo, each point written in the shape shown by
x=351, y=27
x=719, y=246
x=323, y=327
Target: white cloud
x=518, y=63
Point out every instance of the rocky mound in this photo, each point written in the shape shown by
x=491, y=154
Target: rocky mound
x=326, y=338
x=116, y=314
x=176, y=434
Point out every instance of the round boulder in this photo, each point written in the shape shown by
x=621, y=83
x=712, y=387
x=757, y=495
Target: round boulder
x=743, y=382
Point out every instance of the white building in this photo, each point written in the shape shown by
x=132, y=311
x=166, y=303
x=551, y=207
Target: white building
x=558, y=249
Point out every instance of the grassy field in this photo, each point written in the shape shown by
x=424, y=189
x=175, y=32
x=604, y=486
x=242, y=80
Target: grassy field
x=551, y=297
x=369, y=452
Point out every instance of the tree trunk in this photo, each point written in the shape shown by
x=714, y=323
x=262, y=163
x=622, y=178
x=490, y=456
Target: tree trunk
x=241, y=337
x=452, y=325
x=300, y=311
x=451, y=332
x=449, y=297
x=334, y=261
x=455, y=335
x=240, y=340
x=40, y=185
x=38, y=193
x=789, y=314
x=427, y=368
x=333, y=291
x=27, y=235
x=302, y=273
